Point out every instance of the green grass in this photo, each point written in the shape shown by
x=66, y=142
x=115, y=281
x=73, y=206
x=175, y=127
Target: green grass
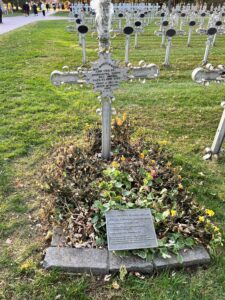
x=34, y=115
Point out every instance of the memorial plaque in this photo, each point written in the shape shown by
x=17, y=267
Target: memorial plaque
x=130, y=229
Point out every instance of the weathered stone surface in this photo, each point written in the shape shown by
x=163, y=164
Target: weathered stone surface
x=102, y=261
x=132, y=264
x=94, y=261
x=58, y=238
x=191, y=257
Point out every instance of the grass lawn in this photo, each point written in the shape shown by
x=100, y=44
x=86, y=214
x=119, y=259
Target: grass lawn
x=34, y=115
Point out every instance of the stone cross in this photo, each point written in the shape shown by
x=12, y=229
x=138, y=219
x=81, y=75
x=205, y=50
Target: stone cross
x=120, y=17
x=218, y=24
x=202, y=19
x=211, y=32
x=162, y=32
x=127, y=31
x=164, y=25
x=182, y=17
x=170, y=33
x=137, y=30
x=203, y=76
x=82, y=29
x=191, y=25
x=105, y=74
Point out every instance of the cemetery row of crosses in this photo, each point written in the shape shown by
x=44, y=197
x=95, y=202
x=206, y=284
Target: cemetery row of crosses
x=101, y=186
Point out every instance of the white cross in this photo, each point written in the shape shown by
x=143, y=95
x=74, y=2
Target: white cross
x=105, y=74
x=203, y=76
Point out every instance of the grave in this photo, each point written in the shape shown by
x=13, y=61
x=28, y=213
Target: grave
x=126, y=229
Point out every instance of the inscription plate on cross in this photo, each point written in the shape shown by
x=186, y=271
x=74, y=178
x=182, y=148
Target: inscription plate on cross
x=106, y=75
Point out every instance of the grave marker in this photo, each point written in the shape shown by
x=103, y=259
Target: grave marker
x=105, y=74
x=170, y=34
x=191, y=25
x=203, y=76
x=164, y=25
x=218, y=24
x=82, y=29
x=211, y=32
x=137, y=30
x=127, y=31
x=130, y=229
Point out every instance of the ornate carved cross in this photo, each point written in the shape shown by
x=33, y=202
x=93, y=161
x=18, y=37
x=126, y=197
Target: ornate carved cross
x=105, y=74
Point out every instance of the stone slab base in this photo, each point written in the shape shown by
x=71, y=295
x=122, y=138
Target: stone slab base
x=93, y=261
x=102, y=261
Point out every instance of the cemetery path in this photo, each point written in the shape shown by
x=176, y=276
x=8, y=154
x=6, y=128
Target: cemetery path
x=11, y=23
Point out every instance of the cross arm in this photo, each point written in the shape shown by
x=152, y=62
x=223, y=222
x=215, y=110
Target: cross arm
x=58, y=78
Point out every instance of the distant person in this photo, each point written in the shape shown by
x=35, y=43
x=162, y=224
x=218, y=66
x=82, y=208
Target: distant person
x=47, y=6
x=26, y=8
x=54, y=6
x=35, y=11
x=1, y=15
x=43, y=8
x=62, y=6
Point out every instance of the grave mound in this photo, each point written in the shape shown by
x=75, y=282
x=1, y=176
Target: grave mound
x=83, y=188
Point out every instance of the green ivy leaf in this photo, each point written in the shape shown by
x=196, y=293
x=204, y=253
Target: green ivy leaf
x=95, y=219
x=189, y=242
x=141, y=253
